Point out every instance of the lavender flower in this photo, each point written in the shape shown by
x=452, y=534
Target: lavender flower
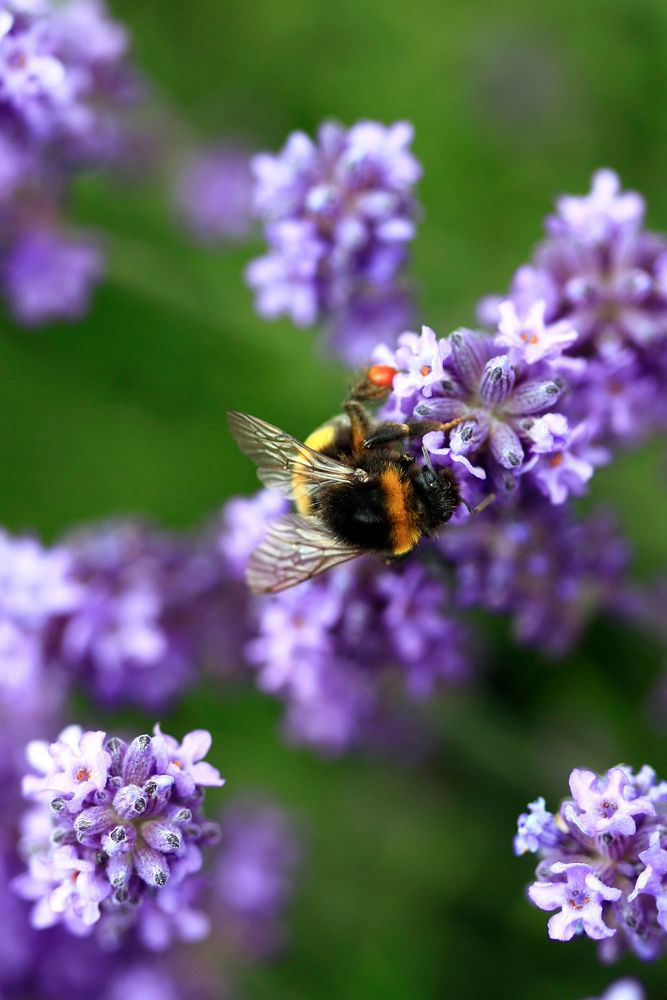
x=155, y=605
x=550, y=572
x=64, y=81
x=214, y=194
x=339, y=214
x=327, y=646
x=507, y=429
x=600, y=271
x=49, y=278
x=37, y=589
x=536, y=828
x=123, y=823
x=602, y=865
x=579, y=897
x=254, y=879
x=243, y=525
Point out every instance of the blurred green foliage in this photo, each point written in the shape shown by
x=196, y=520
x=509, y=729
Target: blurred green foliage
x=410, y=887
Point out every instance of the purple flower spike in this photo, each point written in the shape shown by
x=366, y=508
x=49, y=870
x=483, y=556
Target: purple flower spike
x=115, y=828
x=330, y=647
x=254, y=879
x=600, y=804
x=580, y=897
x=214, y=195
x=49, y=278
x=593, y=303
x=64, y=85
x=602, y=862
x=339, y=215
x=502, y=406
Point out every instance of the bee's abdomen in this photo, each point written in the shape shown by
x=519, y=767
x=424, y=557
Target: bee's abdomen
x=356, y=514
x=377, y=516
x=401, y=512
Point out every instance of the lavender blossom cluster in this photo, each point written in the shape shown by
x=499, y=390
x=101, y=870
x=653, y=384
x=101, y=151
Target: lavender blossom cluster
x=602, y=867
x=604, y=273
x=509, y=395
x=154, y=608
x=330, y=646
x=117, y=833
x=131, y=612
x=64, y=79
x=213, y=194
x=114, y=834
x=574, y=370
x=339, y=214
x=576, y=364
x=243, y=897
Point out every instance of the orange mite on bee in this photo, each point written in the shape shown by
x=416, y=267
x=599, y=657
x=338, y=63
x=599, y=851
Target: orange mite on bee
x=355, y=489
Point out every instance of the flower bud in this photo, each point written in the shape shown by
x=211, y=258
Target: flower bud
x=119, y=870
x=505, y=445
x=497, y=381
x=150, y=865
x=129, y=801
x=164, y=837
x=468, y=356
x=139, y=760
x=94, y=820
x=535, y=395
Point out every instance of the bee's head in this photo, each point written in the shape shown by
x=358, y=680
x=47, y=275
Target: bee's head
x=438, y=489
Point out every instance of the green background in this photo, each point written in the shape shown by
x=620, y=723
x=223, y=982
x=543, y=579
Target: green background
x=410, y=888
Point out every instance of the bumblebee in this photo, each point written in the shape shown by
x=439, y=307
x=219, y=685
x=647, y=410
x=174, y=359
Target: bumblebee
x=355, y=489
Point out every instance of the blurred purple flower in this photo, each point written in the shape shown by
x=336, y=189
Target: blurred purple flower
x=603, y=864
x=328, y=646
x=49, y=278
x=623, y=989
x=156, y=608
x=339, y=214
x=550, y=572
x=214, y=194
x=64, y=80
x=37, y=588
x=254, y=879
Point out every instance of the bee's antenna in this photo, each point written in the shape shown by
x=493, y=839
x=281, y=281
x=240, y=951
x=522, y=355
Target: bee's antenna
x=480, y=506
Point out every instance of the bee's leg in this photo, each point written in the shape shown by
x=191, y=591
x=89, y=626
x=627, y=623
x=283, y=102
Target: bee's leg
x=361, y=424
x=392, y=560
x=387, y=432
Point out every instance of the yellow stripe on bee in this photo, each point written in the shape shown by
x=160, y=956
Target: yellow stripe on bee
x=404, y=533
x=321, y=438
x=318, y=441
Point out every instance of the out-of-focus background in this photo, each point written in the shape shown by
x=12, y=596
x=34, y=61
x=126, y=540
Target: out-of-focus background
x=410, y=887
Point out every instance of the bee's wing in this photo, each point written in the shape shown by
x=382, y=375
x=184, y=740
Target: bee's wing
x=295, y=549
x=278, y=457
